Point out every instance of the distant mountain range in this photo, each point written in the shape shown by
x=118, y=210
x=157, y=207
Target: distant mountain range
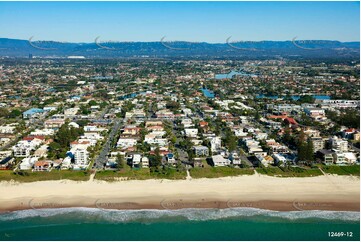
x=182, y=49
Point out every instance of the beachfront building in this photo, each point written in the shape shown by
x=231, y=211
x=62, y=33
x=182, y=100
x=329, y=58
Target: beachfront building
x=326, y=156
x=171, y=159
x=265, y=160
x=350, y=158
x=136, y=160
x=6, y=159
x=279, y=159
x=42, y=165
x=339, y=158
x=218, y=160
x=234, y=158
x=28, y=163
x=145, y=162
x=24, y=147
x=80, y=156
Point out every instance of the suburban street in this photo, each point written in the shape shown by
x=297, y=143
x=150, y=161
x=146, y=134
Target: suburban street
x=102, y=158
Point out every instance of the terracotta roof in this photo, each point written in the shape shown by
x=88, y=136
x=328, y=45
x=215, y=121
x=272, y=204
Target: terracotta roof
x=42, y=163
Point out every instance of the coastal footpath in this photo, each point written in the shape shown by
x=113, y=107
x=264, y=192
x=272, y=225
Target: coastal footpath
x=327, y=192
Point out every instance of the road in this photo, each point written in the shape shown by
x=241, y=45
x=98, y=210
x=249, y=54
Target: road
x=102, y=158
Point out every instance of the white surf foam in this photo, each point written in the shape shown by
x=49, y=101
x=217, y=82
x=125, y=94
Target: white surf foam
x=185, y=214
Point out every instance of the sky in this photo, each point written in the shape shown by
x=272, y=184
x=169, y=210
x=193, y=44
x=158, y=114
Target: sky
x=210, y=22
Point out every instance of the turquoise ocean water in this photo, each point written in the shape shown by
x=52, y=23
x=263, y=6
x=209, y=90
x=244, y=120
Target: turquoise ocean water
x=185, y=224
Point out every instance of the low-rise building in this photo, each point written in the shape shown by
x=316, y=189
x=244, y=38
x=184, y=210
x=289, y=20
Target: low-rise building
x=201, y=150
x=339, y=144
x=326, y=156
x=218, y=160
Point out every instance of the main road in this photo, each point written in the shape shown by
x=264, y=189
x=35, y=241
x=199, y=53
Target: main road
x=102, y=158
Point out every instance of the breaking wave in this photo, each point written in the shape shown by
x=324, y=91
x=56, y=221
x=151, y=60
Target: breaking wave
x=190, y=214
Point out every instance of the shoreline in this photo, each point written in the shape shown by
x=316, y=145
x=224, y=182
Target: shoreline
x=331, y=193
x=278, y=206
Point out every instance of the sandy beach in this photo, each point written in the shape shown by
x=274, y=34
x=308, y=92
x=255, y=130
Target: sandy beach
x=331, y=192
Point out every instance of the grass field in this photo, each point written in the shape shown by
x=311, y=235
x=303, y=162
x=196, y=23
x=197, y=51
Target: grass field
x=140, y=174
x=8, y=175
x=214, y=172
x=289, y=172
x=172, y=174
x=342, y=170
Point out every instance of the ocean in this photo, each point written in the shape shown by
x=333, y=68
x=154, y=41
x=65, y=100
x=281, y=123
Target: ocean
x=185, y=224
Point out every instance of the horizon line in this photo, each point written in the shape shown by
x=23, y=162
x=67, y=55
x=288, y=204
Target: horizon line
x=173, y=41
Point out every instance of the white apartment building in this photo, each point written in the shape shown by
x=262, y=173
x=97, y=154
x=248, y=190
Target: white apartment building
x=28, y=163
x=126, y=142
x=23, y=148
x=339, y=144
x=216, y=143
x=192, y=133
x=187, y=123
x=7, y=129
x=80, y=156
x=42, y=132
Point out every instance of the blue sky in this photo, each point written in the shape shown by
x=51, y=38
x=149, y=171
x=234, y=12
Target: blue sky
x=188, y=21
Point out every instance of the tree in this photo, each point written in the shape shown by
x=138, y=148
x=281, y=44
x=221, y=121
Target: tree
x=84, y=110
x=156, y=160
x=230, y=140
x=309, y=151
x=92, y=103
x=302, y=151
x=173, y=106
x=257, y=116
x=4, y=112
x=120, y=161
x=302, y=147
x=307, y=99
x=14, y=113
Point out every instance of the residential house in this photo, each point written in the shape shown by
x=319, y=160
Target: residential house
x=265, y=160
x=33, y=112
x=8, y=129
x=234, y=158
x=187, y=123
x=42, y=165
x=201, y=150
x=171, y=159
x=218, y=160
x=126, y=142
x=131, y=130
x=54, y=123
x=191, y=133
x=5, y=159
x=28, y=163
x=136, y=161
x=145, y=162
x=279, y=159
